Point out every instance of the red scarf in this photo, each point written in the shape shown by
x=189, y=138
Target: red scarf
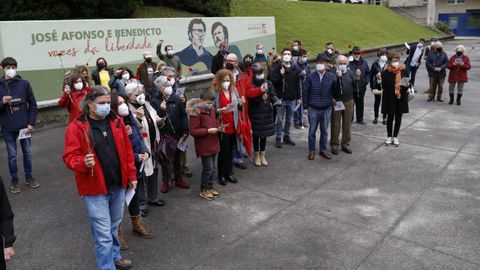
x=398, y=76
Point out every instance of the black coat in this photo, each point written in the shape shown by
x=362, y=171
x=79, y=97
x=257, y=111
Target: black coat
x=217, y=62
x=261, y=111
x=6, y=217
x=287, y=86
x=176, y=124
x=390, y=103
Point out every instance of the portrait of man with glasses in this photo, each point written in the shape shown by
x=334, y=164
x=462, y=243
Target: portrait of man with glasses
x=195, y=52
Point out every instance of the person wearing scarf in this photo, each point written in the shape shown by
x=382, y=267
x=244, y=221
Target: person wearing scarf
x=394, y=98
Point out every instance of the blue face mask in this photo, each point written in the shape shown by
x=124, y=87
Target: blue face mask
x=342, y=68
x=102, y=110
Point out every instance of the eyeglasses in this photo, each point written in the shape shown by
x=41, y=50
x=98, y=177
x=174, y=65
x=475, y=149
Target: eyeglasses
x=198, y=31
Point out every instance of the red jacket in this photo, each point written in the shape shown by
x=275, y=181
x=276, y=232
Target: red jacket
x=76, y=147
x=73, y=104
x=246, y=89
x=205, y=144
x=458, y=73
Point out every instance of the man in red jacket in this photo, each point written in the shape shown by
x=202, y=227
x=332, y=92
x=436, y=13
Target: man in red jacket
x=98, y=150
x=246, y=91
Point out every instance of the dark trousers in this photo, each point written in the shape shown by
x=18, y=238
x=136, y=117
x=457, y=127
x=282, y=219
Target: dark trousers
x=134, y=206
x=209, y=164
x=225, y=157
x=147, y=189
x=141, y=191
x=436, y=83
x=259, y=143
x=376, y=106
x=359, y=97
x=413, y=73
x=398, y=123
x=177, y=167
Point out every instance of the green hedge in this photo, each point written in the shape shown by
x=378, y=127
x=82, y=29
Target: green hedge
x=11, y=10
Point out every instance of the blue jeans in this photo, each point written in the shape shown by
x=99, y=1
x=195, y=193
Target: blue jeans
x=318, y=117
x=284, y=112
x=209, y=164
x=238, y=154
x=10, y=139
x=105, y=213
x=298, y=115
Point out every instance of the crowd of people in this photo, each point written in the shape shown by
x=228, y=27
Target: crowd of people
x=125, y=129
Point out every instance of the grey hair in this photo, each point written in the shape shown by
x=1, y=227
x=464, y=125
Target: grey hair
x=166, y=70
x=438, y=44
x=97, y=91
x=341, y=57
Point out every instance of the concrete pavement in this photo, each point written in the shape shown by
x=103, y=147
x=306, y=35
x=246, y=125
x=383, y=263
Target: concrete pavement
x=412, y=207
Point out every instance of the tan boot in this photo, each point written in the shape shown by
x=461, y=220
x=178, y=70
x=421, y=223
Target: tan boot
x=257, y=161
x=139, y=229
x=262, y=158
x=123, y=243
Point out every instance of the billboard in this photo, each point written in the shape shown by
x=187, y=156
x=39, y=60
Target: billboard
x=44, y=49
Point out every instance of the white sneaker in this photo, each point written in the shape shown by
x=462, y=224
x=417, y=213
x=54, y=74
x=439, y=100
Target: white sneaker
x=388, y=141
x=396, y=142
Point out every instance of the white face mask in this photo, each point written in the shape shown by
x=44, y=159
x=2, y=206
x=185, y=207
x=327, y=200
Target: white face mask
x=140, y=99
x=11, y=73
x=330, y=51
x=287, y=58
x=305, y=59
x=420, y=45
x=295, y=48
x=168, y=90
x=395, y=64
x=170, y=52
x=259, y=51
x=78, y=86
x=320, y=67
x=123, y=110
x=225, y=85
x=342, y=68
x=126, y=77
x=260, y=76
x=383, y=58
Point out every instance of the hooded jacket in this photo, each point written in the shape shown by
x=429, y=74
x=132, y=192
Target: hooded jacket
x=22, y=110
x=78, y=143
x=200, y=120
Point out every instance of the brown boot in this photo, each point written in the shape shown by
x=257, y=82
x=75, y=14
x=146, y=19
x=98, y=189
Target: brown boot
x=123, y=243
x=139, y=229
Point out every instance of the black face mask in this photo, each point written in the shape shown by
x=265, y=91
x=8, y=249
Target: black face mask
x=459, y=54
x=229, y=66
x=248, y=63
x=148, y=60
x=101, y=65
x=439, y=50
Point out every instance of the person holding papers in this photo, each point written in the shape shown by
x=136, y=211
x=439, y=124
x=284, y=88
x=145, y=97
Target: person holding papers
x=317, y=104
x=141, y=154
x=343, y=111
x=99, y=152
x=173, y=134
x=18, y=111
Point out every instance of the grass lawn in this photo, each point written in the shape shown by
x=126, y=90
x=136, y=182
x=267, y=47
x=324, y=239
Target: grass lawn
x=315, y=23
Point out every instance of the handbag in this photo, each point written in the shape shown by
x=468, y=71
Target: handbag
x=411, y=93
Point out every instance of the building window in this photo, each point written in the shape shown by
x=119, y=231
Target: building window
x=426, y=2
x=455, y=2
x=473, y=20
x=453, y=22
